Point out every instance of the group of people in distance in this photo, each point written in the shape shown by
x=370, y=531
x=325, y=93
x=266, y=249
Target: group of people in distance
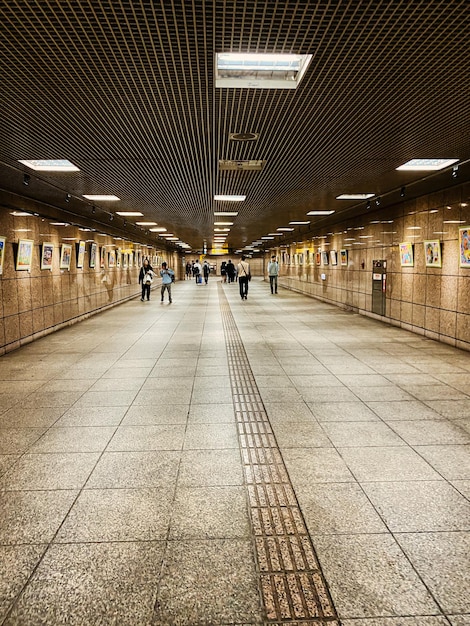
x=195, y=270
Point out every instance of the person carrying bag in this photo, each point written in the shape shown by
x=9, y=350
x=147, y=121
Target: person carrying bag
x=146, y=278
x=244, y=276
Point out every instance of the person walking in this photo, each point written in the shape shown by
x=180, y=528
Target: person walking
x=206, y=270
x=244, y=276
x=273, y=273
x=168, y=277
x=189, y=270
x=230, y=269
x=223, y=271
x=146, y=275
x=197, y=270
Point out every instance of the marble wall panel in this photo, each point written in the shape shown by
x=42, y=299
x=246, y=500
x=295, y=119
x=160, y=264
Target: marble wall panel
x=432, y=317
x=10, y=296
x=47, y=289
x=24, y=293
x=12, y=328
x=36, y=292
x=449, y=286
x=447, y=323
x=463, y=292
x=407, y=312
x=58, y=313
x=463, y=328
x=393, y=309
x=433, y=290
x=419, y=289
x=26, y=324
x=38, y=320
x=48, y=316
x=407, y=285
x=418, y=315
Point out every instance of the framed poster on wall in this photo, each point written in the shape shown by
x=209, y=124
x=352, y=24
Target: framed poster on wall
x=81, y=253
x=464, y=243
x=343, y=255
x=47, y=252
x=432, y=253
x=65, y=256
x=103, y=257
x=325, y=258
x=24, y=257
x=3, y=241
x=406, y=254
x=333, y=257
x=92, y=261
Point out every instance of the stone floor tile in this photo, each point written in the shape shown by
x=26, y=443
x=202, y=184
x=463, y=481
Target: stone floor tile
x=428, y=620
x=342, y=412
x=147, y=437
x=320, y=380
x=49, y=471
x=284, y=412
x=460, y=620
x=91, y=416
x=387, y=464
x=18, y=563
x=211, y=413
x=208, y=582
x=74, y=439
x=210, y=467
x=118, y=515
x=324, y=466
x=105, y=398
x=32, y=516
x=463, y=487
x=84, y=584
x=452, y=461
x=430, y=432
x=364, y=380
x=451, y=409
x=421, y=506
x=380, y=581
x=118, y=384
x=210, y=513
x=387, y=393
x=212, y=396
x=332, y=508
x=361, y=434
x=300, y=435
x=441, y=559
x=30, y=418
x=18, y=440
x=114, y=470
x=406, y=410
x=435, y=392
x=210, y=437
x=155, y=415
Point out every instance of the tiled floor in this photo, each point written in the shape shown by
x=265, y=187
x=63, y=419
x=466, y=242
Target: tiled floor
x=133, y=489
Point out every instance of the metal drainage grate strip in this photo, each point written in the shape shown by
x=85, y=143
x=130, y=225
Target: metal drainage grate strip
x=292, y=585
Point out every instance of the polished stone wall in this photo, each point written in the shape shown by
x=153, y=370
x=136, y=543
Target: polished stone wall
x=433, y=301
x=36, y=302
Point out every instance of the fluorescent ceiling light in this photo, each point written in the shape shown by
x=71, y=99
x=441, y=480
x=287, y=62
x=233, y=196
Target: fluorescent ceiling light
x=146, y=223
x=226, y=213
x=59, y=223
x=277, y=234
x=260, y=70
x=103, y=198
x=223, y=223
x=221, y=230
x=58, y=165
x=454, y=221
x=355, y=196
x=427, y=164
x=129, y=213
x=286, y=229
x=20, y=213
x=160, y=229
x=172, y=239
x=320, y=212
x=299, y=223
x=230, y=198
x=267, y=237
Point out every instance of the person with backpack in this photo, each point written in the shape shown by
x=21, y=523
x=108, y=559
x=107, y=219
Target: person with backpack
x=146, y=275
x=206, y=270
x=168, y=276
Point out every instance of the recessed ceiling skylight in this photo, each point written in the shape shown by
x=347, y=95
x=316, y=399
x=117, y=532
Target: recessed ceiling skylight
x=57, y=165
x=130, y=213
x=102, y=198
x=427, y=164
x=230, y=198
x=259, y=70
x=355, y=196
x=320, y=212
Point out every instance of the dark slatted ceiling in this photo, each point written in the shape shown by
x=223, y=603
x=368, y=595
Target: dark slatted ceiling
x=126, y=91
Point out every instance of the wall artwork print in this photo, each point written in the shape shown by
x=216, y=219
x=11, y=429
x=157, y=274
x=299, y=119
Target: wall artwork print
x=325, y=258
x=65, y=256
x=343, y=255
x=47, y=253
x=333, y=257
x=81, y=253
x=318, y=257
x=103, y=257
x=25, y=254
x=2, y=253
x=406, y=254
x=432, y=253
x=464, y=243
x=92, y=261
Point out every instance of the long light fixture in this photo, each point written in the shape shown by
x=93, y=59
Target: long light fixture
x=225, y=213
x=355, y=196
x=129, y=213
x=51, y=165
x=146, y=223
x=229, y=198
x=102, y=198
x=299, y=223
x=320, y=212
x=427, y=164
